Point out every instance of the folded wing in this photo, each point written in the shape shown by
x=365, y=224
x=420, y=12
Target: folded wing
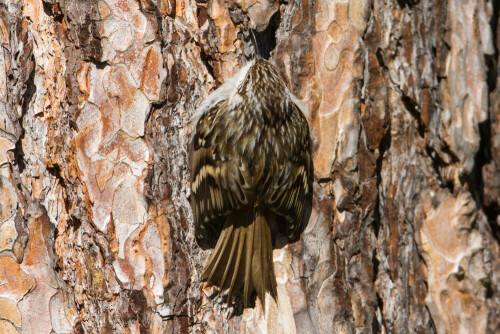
x=218, y=185
x=289, y=193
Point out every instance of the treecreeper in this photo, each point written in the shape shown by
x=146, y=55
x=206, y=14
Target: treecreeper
x=251, y=176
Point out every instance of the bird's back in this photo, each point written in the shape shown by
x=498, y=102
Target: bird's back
x=250, y=163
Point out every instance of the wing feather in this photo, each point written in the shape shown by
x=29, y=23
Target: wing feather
x=289, y=193
x=218, y=185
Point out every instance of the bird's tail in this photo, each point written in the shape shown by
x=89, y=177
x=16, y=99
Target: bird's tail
x=243, y=256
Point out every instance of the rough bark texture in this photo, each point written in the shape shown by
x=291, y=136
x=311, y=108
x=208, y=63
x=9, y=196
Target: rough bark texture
x=96, y=233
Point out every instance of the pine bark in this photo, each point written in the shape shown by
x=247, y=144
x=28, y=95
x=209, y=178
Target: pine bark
x=96, y=232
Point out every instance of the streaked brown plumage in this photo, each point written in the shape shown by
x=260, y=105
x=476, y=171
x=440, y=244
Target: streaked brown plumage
x=250, y=167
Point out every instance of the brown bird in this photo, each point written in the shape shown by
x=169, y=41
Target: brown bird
x=251, y=170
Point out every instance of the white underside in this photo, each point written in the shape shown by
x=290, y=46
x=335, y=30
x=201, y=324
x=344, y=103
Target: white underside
x=228, y=91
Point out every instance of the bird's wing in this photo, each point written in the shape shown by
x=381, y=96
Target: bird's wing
x=219, y=185
x=289, y=192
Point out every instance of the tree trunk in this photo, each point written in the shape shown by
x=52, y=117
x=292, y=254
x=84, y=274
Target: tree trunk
x=96, y=232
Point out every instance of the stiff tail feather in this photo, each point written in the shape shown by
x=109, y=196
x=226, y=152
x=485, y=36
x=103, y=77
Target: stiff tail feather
x=243, y=256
